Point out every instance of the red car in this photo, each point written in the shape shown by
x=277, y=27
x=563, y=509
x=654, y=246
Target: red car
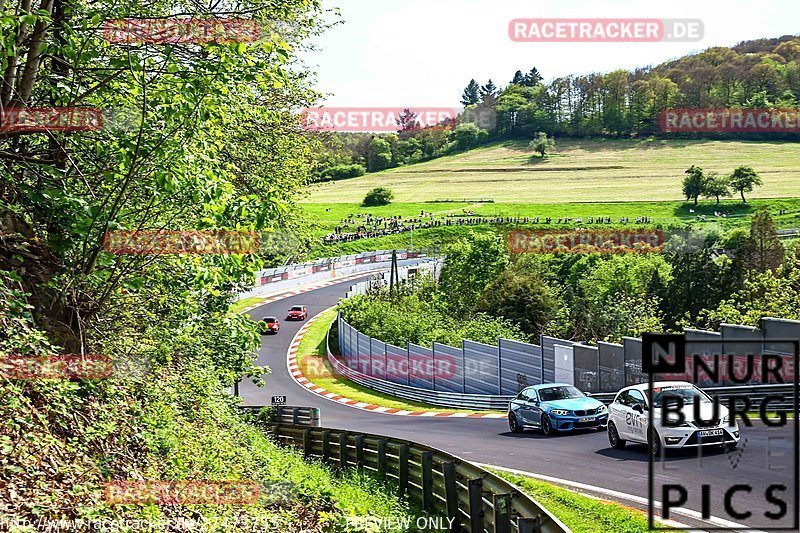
x=270, y=324
x=297, y=312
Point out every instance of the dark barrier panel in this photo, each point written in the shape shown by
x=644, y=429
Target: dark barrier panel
x=633, y=361
x=378, y=353
x=612, y=364
x=420, y=367
x=587, y=368
x=396, y=364
x=449, y=364
x=775, y=328
x=706, y=344
x=520, y=365
x=549, y=357
x=480, y=368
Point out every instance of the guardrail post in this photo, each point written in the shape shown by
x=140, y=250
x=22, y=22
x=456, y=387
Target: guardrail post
x=279, y=414
x=476, y=504
x=451, y=494
x=382, y=458
x=295, y=415
x=360, y=452
x=343, y=450
x=427, y=481
x=403, y=477
x=326, y=446
x=502, y=516
x=314, y=417
x=529, y=525
x=307, y=442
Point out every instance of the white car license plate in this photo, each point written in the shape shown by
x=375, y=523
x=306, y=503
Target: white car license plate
x=586, y=419
x=710, y=433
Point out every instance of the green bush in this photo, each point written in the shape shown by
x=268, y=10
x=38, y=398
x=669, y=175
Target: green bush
x=342, y=172
x=378, y=196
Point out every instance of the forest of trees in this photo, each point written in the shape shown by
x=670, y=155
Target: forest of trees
x=763, y=73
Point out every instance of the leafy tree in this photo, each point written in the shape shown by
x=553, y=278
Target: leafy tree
x=743, y=179
x=518, y=78
x=523, y=296
x=716, y=186
x=694, y=184
x=378, y=196
x=542, y=144
x=468, y=135
x=763, y=250
x=341, y=172
x=472, y=263
x=407, y=121
x=379, y=156
x=471, y=94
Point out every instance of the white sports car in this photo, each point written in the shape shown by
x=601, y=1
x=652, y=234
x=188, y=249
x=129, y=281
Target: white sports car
x=629, y=419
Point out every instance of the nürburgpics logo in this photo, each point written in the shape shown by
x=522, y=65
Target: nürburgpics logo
x=587, y=30
x=725, y=401
x=376, y=119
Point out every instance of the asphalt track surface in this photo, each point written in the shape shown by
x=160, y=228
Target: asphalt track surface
x=764, y=457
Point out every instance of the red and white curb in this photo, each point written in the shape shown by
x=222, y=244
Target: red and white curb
x=301, y=290
x=300, y=379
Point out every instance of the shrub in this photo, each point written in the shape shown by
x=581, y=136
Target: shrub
x=343, y=172
x=378, y=196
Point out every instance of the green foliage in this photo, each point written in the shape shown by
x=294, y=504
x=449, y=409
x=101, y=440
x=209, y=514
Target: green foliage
x=471, y=94
x=378, y=196
x=468, y=135
x=717, y=186
x=420, y=316
x=341, y=172
x=743, y=179
x=763, y=250
x=379, y=156
x=694, y=184
x=473, y=262
x=542, y=144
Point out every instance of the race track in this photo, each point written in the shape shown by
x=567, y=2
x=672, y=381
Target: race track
x=765, y=455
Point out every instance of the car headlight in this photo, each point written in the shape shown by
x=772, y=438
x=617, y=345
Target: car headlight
x=602, y=409
x=725, y=419
x=560, y=412
x=673, y=423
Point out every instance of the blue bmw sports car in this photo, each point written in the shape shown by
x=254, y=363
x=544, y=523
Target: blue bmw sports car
x=555, y=407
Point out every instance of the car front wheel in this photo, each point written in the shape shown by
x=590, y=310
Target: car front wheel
x=513, y=425
x=547, y=426
x=654, y=443
x=613, y=437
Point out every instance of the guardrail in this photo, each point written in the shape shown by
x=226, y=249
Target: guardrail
x=286, y=414
x=473, y=497
x=440, y=398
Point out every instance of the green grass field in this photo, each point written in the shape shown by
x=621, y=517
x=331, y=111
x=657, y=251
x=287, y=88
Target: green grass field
x=579, y=171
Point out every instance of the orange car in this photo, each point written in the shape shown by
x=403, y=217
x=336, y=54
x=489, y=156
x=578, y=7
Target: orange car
x=270, y=324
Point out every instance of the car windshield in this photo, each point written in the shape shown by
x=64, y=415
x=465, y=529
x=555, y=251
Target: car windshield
x=296, y=308
x=559, y=393
x=688, y=393
x=270, y=320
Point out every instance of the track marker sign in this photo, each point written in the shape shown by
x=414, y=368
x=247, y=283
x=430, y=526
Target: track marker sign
x=279, y=400
x=752, y=488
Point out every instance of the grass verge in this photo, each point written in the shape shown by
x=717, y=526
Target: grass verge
x=237, y=307
x=579, y=512
x=313, y=362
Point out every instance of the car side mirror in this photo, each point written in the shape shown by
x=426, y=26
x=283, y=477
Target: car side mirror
x=639, y=408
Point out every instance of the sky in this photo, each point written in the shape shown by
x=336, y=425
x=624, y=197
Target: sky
x=422, y=53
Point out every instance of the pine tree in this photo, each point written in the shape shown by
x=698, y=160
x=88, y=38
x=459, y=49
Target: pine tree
x=490, y=89
x=519, y=79
x=532, y=78
x=471, y=95
x=763, y=250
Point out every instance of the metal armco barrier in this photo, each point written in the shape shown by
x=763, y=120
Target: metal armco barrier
x=286, y=414
x=433, y=397
x=476, y=499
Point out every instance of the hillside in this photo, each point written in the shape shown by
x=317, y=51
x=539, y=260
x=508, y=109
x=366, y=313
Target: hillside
x=580, y=171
